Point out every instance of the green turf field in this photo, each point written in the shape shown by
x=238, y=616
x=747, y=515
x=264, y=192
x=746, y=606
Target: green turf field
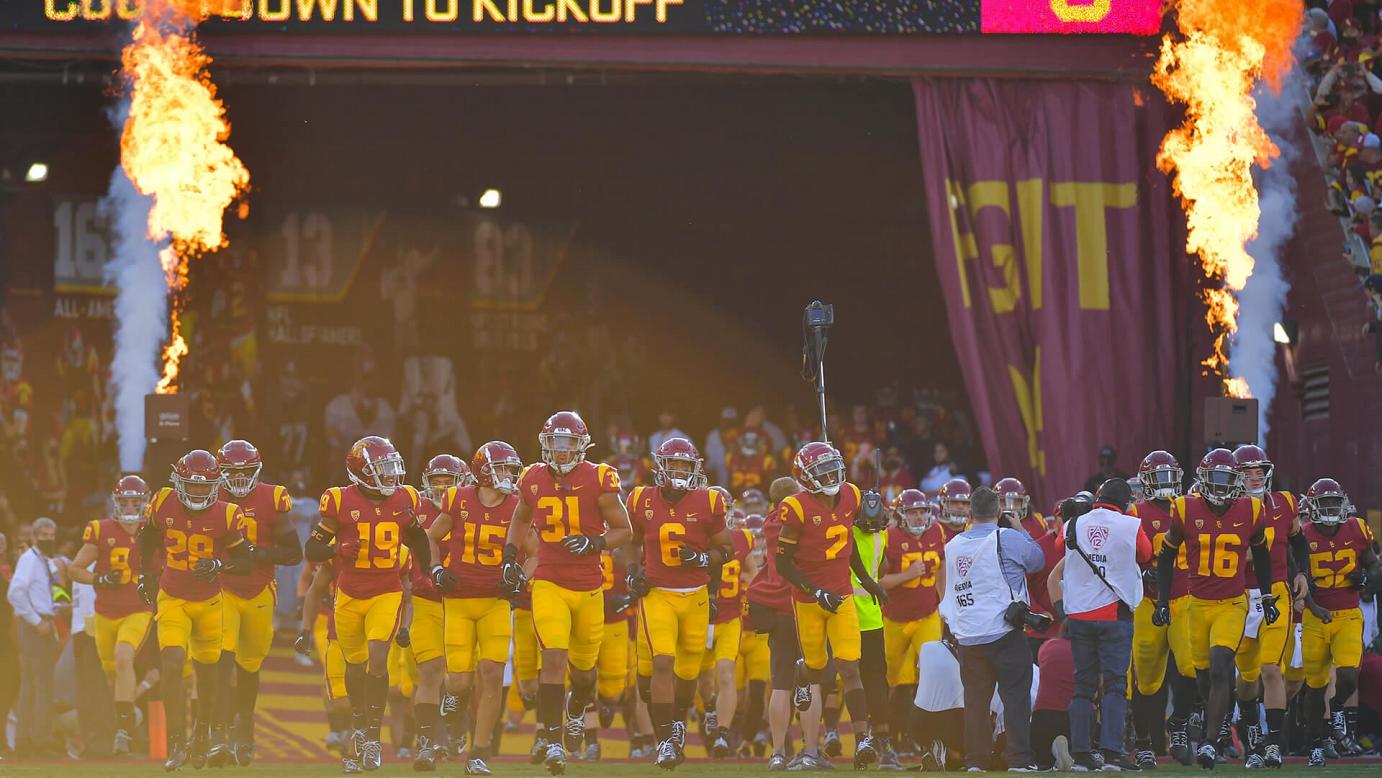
x=614, y=769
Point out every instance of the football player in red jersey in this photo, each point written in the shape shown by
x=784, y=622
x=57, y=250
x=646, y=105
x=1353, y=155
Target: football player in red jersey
x=468, y=542
x=953, y=497
x=1162, y=481
x=426, y=631
x=1215, y=525
x=680, y=526
x=575, y=507
x=749, y=463
x=1336, y=547
x=1263, y=648
x=361, y=527
x=249, y=600
x=196, y=537
x=816, y=554
x=720, y=666
x=914, y=574
x=122, y=619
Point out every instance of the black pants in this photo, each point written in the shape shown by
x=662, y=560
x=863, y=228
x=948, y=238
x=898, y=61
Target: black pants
x=1007, y=664
x=873, y=673
x=782, y=643
x=1046, y=725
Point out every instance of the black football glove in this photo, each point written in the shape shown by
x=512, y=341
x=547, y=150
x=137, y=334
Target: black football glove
x=621, y=602
x=402, y=638
x=208, y=569
x=303, y=644
x=714, y=609
x=1269, y=610
x=1358, y=579
x=876, y=591
x=511, y=593
x=443, y=579
x=107, y=580
x=637, y=582
x=512, y=575
x=1149, y=580
x=690, y=557
x=147, y=588
x=828, y=600
x=1161, y=615
x=583, y=545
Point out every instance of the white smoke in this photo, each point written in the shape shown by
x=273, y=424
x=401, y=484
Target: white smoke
x=141, y=308
x=1252, y=351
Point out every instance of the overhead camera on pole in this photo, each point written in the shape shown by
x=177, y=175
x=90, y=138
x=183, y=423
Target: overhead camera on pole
x=816, y=321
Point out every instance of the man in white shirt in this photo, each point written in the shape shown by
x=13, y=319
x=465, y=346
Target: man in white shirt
x=31, y=596
x=1097, y=586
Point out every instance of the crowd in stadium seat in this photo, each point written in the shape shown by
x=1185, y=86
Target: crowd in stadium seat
x=1341, y=52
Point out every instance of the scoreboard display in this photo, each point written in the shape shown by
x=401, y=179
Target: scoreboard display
x=684, y=17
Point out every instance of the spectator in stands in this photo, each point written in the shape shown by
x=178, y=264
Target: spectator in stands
x=1373, y=287
x=1108, y=468
x=918, y=443
x=896, y=475
x=943, y=470
x=717, y=444
x=758, y=417
x=355, y=414
x=1375, y=243
x=666, y=428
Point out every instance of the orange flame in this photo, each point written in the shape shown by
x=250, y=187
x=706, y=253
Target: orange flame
x=174, y=148
x=1225, y=48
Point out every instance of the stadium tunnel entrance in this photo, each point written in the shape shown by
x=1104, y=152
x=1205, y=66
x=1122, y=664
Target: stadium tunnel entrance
x=656, y=238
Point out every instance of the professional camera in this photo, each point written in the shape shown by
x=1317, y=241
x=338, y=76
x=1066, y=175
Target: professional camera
x=1020, y=615
x=819, y=314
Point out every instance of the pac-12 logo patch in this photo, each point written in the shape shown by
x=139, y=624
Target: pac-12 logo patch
x=1097, y=536
x=963, y=563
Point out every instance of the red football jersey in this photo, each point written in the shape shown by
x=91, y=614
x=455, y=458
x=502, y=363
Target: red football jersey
x=918, y=597
x=749, y=471
x=562, y=506
x=1155, y=523
x=475, y=547
x=264, y=507
x=1333, y=558
x=1278, y=513
x=729, y=599
x=666, y=526
x=116, y=549
x=369, y=538
x=769, y=588
x=825, y=538
x=188, y=538
x=1216, y=545
x=613, y=584
x=419, y=580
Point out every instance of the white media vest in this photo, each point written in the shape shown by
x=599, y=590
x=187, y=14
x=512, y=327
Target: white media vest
x=976, y=595
x=1109, y=539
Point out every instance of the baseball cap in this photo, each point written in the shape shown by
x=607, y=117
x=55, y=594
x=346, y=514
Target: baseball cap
x=1371, y=141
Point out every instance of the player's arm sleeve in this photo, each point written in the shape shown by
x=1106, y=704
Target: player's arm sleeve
x=239, y=555
x=787, y=549
x=285, y=549
x=1300, y=552
x=150, y=539
x=1262, y=567
x=721, y=544
x=1144, y=548
x=1166, y=562
x=415, y=537
x=318, y=547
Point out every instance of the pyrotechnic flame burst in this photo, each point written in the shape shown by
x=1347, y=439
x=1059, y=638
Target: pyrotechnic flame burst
x=1225, y=47
x=174, y=147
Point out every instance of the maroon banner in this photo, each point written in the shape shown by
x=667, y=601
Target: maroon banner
x=1052, y=240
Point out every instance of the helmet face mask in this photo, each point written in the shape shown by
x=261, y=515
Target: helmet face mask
x=497, y=466
x=1256, y=480
x=131, y=498
x=955, y=511
x=1161, y=476
x=826, y=475
x=564, y=440
x=195, y=493
x=679, y=472
x=434, y=485
x=1327, y=503
x=915, y=519
x=240, y=481
x=1014, y=504
x=383, y=475
x=1218, y=485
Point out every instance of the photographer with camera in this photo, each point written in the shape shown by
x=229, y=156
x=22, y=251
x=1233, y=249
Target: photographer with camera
x=1097, y=587
x=985, y=605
